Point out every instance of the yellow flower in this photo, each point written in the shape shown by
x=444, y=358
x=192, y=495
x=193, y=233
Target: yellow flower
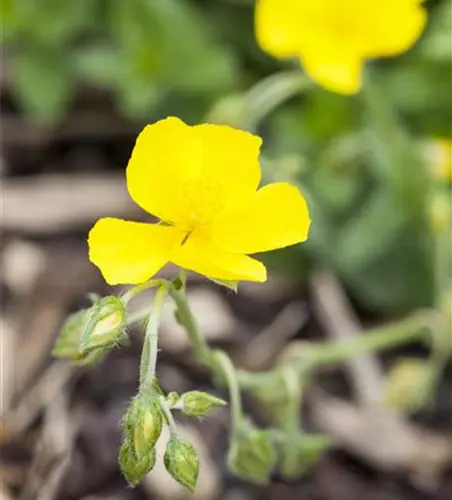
x=443, y=160
x=332, y=38
x=202, y=183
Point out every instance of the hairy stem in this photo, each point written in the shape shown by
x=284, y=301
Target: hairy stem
x=168, y=416
x=150, y=346
x=188, y=321
x=230, y=375
x=325, y=353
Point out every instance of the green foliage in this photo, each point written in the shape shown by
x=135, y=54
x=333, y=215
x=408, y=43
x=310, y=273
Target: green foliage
x=143, y=50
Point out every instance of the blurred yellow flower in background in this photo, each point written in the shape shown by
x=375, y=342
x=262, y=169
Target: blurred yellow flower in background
x=202, y=183
x=443, y=160
x=333, y=38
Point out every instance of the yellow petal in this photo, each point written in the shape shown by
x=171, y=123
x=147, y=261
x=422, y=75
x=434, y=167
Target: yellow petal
x=130, y=252
x=200, y=255
x=336, y=71
x=164, y=162
x=185, y=174
x=394, y=27
x=277, y=27
x=332, y=38
x=275, y=217
x=230, y=169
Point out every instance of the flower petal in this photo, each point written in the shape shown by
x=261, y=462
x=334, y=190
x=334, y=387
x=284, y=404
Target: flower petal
x=278, y=26
x=185, y=174
x=275, y=217
x=230, y=169
x=200, y=255
x=130, y=252
x=336, y=70
x=394, y=27
x=163, y=165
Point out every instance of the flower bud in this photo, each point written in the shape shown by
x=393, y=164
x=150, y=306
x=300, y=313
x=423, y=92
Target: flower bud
x=105, y=324
x=143, y=424
x=198, y=404
x=252, y=455
x=182, y=462
x=173, y=399
x=132, y=467
x=67, y=344
x=307, y=450
x=408, y=384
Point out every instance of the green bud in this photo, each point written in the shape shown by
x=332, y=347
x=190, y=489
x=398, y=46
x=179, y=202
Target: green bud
x=133, y=468
x=198, y=404
x=408, y=384
x=143, y=424
x=182, y=462
x=68, y=340
x=301, y=455
x=67, y=344
x=252, y=455
x=172, y=399
x=105, y=324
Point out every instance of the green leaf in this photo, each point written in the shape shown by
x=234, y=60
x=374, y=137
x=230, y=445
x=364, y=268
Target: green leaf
x=43, y=84
x=100, y=64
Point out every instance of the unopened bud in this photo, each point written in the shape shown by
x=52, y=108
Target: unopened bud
x=307, y=450
x=143, y=424
x=173, y=399
x=67, y=344
x=408, y=384
x=198, y=404
x=105, y=324
x=182, y=462
x=252, y=455
x=134, y=468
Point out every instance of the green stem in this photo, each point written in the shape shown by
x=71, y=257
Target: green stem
x=271, y=92
x=230, y=375
x=168, y=416
x=218, y=361
x=291, y=423
x=188, y=321
x=130, y=294
x=326, y=353
x=382, y=338
x=150, y=346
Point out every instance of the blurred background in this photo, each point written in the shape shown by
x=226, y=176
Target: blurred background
x=79, y=79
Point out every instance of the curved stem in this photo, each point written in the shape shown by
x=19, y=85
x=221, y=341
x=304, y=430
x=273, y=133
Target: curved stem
x=188, y=321
x=150, y=346
x=168, y=416
x=130, y=294
x=218, y=361
x=271, y=92
x=230, y=375
x=325, y=353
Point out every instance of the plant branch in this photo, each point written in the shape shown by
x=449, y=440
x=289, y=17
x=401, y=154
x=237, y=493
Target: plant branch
x=150, y=346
